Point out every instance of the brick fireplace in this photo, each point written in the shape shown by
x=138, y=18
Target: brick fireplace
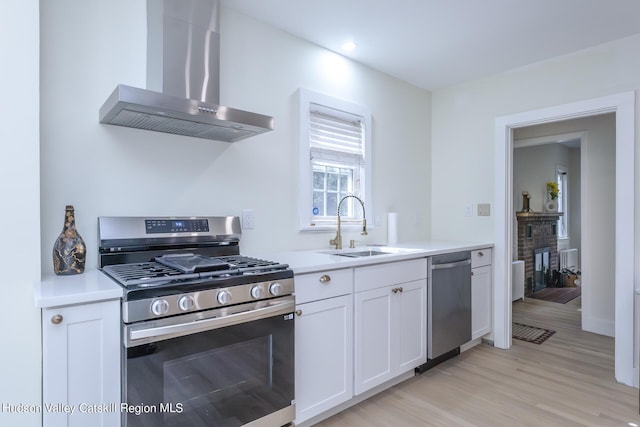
x=537, y=232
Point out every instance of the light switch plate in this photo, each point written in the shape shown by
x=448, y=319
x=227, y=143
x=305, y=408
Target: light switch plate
x=484, y=209
x=468, y=210
x=248, y=219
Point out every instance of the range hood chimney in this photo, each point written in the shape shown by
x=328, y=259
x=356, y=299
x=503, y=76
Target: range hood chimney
x=183, y=79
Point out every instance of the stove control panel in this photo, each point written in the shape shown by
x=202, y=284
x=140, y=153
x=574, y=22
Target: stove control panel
x=169, y=305
x=154, y=226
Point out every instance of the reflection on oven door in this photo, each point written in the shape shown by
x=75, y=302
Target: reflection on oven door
x=225, y=377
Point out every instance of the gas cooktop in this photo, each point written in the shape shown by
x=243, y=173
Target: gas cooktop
x=187, y=268
x=158, y=257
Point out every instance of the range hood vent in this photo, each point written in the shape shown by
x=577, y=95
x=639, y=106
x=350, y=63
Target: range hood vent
x=183, y=80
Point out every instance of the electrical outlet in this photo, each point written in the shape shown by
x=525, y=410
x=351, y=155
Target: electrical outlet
x=248, y=219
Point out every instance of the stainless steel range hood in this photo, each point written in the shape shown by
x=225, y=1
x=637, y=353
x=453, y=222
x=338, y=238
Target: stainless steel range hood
x=183, y=80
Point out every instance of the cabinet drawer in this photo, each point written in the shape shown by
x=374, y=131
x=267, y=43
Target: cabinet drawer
x=481, y=257
x=380, y=275
x=323, y=284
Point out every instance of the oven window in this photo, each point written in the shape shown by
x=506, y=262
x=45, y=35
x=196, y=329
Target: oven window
x=225, y=377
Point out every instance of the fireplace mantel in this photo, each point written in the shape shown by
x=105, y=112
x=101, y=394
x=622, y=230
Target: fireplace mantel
x=539, y=215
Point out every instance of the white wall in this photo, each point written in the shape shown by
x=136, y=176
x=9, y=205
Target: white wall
x=19, y=213
x=532, y=168
x=109, y=170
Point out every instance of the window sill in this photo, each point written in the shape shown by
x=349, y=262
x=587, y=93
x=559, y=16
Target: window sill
x=327, y=228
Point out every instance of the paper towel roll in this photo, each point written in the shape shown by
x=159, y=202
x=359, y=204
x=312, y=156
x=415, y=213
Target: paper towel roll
x=392, y=228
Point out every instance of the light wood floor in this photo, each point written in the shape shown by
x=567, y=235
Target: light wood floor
x=566, y=381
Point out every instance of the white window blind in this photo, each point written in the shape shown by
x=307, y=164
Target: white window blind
x=333, y=130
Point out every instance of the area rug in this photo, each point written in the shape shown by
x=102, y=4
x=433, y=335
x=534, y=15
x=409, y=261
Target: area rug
x=530, y=333
x=559, y=295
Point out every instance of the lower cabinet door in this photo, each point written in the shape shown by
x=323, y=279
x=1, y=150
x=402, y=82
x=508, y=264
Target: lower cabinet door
x=480, y=301
x=324, y=355
x=412, y=325
x=373, y=338
x=390, y=333
x=81, y=365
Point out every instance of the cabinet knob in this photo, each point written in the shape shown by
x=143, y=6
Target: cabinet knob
x=325, y=278
x=480, y=253
x=57, y=319
x=396, y=290
x=298, y=313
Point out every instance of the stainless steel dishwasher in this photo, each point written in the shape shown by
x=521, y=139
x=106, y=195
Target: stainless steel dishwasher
x=449, y=305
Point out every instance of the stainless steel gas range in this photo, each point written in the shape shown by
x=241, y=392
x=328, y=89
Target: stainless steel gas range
x=208, y=334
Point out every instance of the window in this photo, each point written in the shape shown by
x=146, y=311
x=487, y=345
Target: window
x=334, y=160
x=563, y=202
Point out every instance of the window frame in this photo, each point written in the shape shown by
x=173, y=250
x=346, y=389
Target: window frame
x=306, y=220
x=562, y=178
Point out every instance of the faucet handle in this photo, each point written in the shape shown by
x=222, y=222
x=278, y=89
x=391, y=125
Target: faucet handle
x=336, y=241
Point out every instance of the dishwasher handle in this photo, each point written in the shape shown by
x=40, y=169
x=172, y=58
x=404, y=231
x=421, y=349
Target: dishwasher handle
x=451, y=264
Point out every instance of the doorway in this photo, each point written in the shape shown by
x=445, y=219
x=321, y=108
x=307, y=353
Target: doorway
x=623, y=105
x=552, y=152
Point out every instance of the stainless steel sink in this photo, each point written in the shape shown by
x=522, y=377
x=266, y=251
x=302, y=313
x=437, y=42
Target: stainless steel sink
x=368, y=251
x=359, y=254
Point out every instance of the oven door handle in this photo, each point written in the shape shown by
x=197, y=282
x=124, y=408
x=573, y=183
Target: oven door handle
x=141, y=336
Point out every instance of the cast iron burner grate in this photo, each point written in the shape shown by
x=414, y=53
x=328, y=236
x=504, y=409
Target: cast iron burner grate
x=153, y=273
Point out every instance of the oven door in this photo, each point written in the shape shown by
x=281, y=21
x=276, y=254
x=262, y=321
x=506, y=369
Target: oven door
x=226, y=367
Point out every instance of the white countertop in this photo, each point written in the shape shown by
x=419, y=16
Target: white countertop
x=94, y=286
x=313, y=260
x=90, y=286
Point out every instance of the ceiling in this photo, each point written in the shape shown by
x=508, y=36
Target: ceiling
x=437, y=43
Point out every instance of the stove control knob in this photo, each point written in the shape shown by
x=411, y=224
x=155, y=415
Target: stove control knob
x=224, y=297
x=257, y=292
x=159, y=307
x=186, y=302
x=275, y=289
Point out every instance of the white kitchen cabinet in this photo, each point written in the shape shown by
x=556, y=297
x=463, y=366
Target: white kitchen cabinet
x=481, y=280
x=390, y=321
x=323, y=342
x=412, y=325
x=81, y=365
x=390, y=332
x=373, y=343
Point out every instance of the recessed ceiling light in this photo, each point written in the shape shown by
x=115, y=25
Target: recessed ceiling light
x=348, y=46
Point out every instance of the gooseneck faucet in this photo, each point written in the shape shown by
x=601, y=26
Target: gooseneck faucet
x=337, y=241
